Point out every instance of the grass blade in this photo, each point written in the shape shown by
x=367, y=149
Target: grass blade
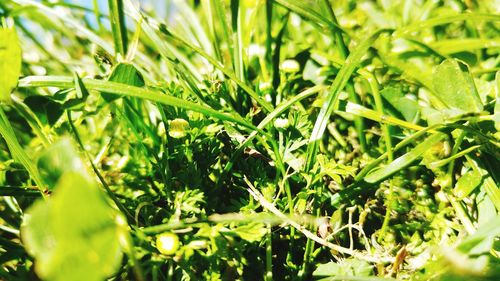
x=117, y=19
x=338, y=84
x=405, y=160
x=131, y=91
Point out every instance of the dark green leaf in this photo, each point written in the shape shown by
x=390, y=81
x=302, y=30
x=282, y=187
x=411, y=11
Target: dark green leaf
x=47, y=110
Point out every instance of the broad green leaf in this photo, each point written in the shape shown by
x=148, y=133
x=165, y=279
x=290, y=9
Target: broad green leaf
x=127, y=74
x=405, y=160
x=251, y=232
x=407, y=107
x=10, y=61
x=455, y=87
x=74, y=235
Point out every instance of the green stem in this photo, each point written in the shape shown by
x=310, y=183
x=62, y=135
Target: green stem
x=105, y=185
x=269, y=255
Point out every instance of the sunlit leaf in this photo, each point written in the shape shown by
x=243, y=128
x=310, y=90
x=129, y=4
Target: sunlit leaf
x=467, y=183
x=251, y=232
x=455, y=87
x=10, y=61
x=348, y=267
x=124, y=73
x=404, y=105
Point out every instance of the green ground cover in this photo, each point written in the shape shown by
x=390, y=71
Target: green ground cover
x=250, y=140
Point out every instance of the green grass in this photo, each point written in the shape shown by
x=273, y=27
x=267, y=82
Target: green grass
x=376, y=159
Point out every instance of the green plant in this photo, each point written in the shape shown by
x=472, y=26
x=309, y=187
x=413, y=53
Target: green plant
x=249, y=140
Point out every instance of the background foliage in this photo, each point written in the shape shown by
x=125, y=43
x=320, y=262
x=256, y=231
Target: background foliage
x=249, y=140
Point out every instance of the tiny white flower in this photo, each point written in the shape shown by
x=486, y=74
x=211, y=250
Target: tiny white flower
x=265, y=86
x=281, y=123
x=290, y=66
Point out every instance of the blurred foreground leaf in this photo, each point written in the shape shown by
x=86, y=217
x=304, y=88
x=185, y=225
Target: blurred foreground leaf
x=75, y=234
x=57, y=160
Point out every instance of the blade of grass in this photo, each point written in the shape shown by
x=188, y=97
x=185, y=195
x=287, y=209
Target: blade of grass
x=357, y=109
x=443, y=162
x=419, y=25
x=126, y=90
x=150, y=26
x=338, y=84
x=305, y=10
x=459, y=45
x=19, y=191
x=405, y=160
x=236, y=18
x=221, y=17
x=118, y=27
x=18, y=152
x=344, y=53
x=265, y=105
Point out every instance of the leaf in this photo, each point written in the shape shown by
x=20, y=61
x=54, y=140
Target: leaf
x=482, y=240
x=467, y=183
x=127, y=74
x=57, y=160
x=455, y=87
x=251, y=232
x=348, y=267
x=131, y=91
x=339, y=83
x=10, y=61
x=405, y=160
x=404, y=105
x=75, y=234
x=47, y=110
x=311, y=10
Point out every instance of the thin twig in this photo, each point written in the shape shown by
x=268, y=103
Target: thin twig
x=270, y=207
